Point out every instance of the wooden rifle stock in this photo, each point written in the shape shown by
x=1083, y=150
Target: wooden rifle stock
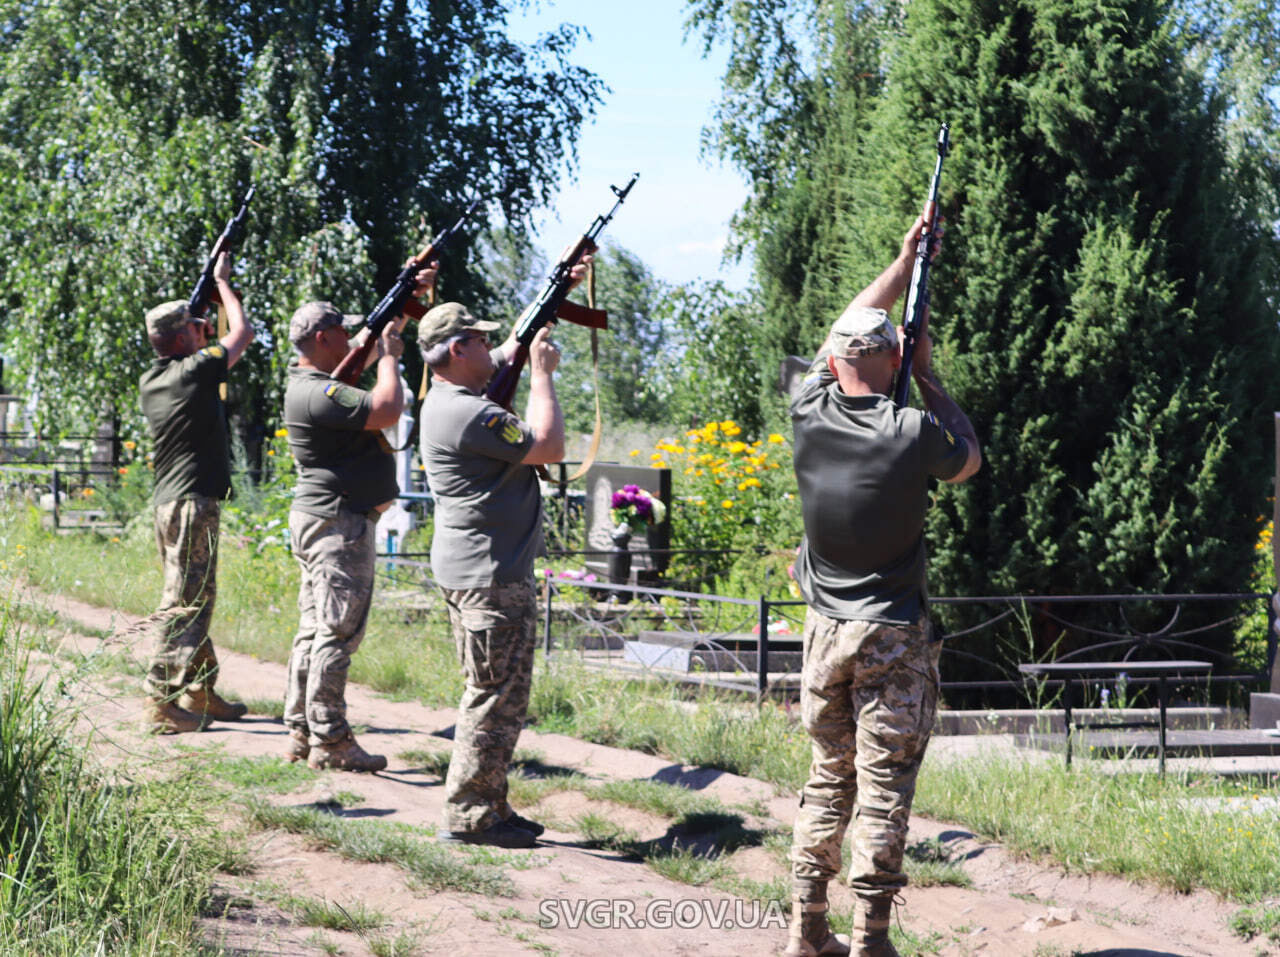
x=206, y=290
x=399, y=299
x=552, y=303
x=915, y=314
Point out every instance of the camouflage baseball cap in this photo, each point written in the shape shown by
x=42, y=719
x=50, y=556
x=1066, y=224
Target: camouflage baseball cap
x=449, y=319
x=168, y=317
x=862, y=331
x=309, y=319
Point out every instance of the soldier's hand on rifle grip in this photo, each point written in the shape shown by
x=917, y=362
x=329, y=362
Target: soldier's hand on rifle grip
x=544, y=355
x=390, y=343
x=222, y=269
x=425, y=279
x=922, y=363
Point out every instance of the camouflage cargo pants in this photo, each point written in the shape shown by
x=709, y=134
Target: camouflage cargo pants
x=868, y=699
x=336, y=556
x=493, y=629
x=187, y=536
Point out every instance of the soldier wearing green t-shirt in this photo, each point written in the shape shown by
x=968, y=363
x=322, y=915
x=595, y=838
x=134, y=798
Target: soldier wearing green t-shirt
x=870, y=676
x=180, y=397
x=488, y=529
x=346, y=478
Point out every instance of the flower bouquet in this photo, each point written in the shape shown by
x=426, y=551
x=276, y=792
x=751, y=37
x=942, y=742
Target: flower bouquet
x=632, y=508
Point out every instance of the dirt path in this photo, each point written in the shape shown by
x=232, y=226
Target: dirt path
x=566, y=885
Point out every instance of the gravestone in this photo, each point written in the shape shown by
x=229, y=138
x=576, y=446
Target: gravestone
x=602, y=480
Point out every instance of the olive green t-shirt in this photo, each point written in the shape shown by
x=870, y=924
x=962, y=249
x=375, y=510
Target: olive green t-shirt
x=863, y=467
x=179, y=397
x=488, y=507
x=341, y=465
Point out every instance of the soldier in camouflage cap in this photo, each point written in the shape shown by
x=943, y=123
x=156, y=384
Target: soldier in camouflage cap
x=346, y=479
x=181, y=399
x=870, y=676
x=488, y=529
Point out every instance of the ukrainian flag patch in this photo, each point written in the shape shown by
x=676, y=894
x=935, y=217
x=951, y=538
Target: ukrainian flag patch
x=214, y=352
x=344, y=395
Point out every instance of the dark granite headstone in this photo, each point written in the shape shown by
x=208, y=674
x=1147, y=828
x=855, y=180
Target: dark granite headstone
x=602, y=480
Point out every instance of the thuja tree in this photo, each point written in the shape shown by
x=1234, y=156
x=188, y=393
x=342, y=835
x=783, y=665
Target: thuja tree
x=1102, y=302
x=127, y=130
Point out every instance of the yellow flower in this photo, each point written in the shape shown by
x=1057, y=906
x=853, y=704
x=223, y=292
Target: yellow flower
x=87, y=493
x=634, y=452
x=658, y=464
x=736, y=447
x=116, y=539
x=271, y=451
x=728, y=424
x=776, y=439
x=131, y=445
x=281, y=433
x=727, y=503
x=748, y=483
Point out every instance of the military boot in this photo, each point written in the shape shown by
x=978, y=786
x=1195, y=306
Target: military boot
x=871, y=920
x=299, y=745
x=208, y=702
x=162, y=716
x=810, y=934
x=345, y=755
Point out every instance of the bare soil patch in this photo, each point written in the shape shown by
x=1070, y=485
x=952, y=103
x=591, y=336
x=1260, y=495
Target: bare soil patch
x=1014, y=908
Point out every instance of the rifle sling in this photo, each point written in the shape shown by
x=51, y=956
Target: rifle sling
x=590, y=458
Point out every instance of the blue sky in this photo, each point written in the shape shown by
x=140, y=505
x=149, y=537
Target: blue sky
x=663, y=93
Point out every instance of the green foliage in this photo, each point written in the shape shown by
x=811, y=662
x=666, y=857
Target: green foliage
x=88, y=865
x=734, y=508
x=1253, y=634
x=1101, y=307
x=127, y=130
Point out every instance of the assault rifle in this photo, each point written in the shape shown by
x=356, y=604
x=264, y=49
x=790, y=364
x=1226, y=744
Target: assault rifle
x=206, y=290
x=915, y=315
x=552, y=303
x=396, y=301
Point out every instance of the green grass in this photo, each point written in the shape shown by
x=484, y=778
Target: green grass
x=1259, y=920
x=429, y=865
x=267, y=774
x=1136, y=826
x=89, y=863
x=1085, y=820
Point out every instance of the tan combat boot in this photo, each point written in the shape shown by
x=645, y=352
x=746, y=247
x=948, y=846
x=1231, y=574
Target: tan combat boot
x=810, y=934
x=345, y=755
x=208, y=702
x=299, y=745
x=162, y=716
x=871, y=920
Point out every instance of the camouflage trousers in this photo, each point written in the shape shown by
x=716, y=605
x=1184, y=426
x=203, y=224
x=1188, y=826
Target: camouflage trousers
x=493, y=630
x=868, y=697
x=336, y=556
x=183, y=656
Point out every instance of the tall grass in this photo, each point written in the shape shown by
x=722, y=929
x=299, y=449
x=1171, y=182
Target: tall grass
x=88, y=866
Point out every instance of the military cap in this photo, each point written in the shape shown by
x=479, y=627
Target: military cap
x=314, y=316
x=168, y=317
x=862, y=331
x=449, y=319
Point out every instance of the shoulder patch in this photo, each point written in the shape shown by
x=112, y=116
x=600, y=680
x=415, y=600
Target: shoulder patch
x=214, y=351
x=344, y=395
x=506, y=428
x=946, y=434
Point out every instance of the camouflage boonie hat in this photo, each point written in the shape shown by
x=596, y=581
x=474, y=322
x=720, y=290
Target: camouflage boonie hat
x=168, y=317
x=447, y=320
x=862, y=331
x=309, y=319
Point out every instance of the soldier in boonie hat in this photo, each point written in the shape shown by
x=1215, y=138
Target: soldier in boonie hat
x=450, y=319
x=862, y=331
